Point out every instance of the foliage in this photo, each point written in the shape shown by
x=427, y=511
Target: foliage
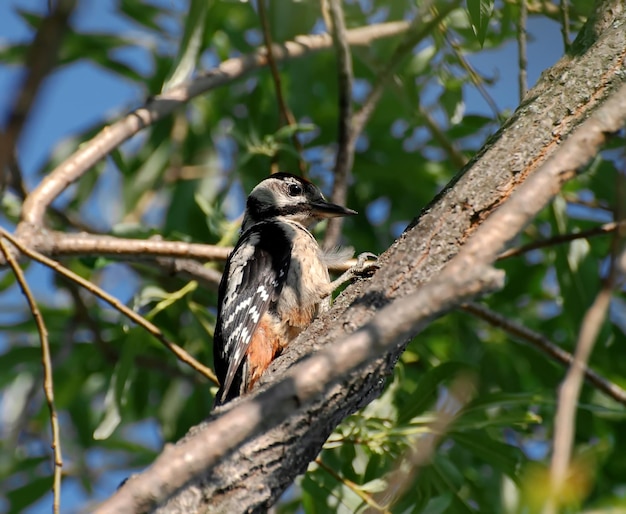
x=120, y=395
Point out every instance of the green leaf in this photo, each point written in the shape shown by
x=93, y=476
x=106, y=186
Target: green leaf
x=115, y=398
x=426, y=392
x=480, y=12
x=190, y=45
x=438, y=504
x=289, y=130
x=501, y=456
x=24, y=496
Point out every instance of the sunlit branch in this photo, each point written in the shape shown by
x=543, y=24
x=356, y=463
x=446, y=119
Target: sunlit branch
x=253, y=414
x=569, y=391
x=176, y=257
x=164, y=104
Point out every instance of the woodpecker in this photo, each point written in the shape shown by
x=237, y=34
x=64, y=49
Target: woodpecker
x=275, y=281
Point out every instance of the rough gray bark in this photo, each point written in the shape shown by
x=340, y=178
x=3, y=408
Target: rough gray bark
x=252, y=477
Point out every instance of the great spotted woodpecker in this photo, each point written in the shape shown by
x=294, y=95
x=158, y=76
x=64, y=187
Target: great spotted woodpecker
x=275, y=281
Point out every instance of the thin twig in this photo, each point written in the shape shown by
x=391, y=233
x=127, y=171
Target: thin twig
x=564, y=12
x=286, y=116
x=48, y=383
x=367, y=498
x=522, y=48
x=602, y=230
x=457, y=158
x=164, y=104
x=544, y=345
x=177, y=257
x=594, y=203
x=346, y=139
x=420, y=454
x=180, y=353
x=565, y=418
x=475, y=78
x=40, y=61
x=84, y=316
x=417, y=31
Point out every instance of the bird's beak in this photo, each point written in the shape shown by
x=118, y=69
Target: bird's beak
x=325, y=209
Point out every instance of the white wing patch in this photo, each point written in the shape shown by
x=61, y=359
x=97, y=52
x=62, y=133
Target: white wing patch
x=257, y=270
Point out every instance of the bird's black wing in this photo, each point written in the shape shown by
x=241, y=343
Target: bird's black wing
x=254, y=276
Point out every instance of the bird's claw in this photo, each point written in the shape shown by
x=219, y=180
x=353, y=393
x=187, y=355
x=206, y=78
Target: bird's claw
x=365, y=266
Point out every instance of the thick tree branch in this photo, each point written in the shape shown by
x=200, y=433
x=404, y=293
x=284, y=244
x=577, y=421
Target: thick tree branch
x=250, y=416
x=298, y=430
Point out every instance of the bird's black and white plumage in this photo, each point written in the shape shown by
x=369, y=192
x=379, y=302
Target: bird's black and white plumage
x=274, y=283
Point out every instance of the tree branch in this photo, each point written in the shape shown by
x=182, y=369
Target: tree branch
x=544, y=345
x=176, y=257
x=519, y=170
x=345, y=138
x=522, y=48
x=569, y=392
x=48, y=381
x=284, y=112
x=252, y=415
x=180, y=353
x=601, y=230
x=564, y=12
x=421, y=26
x=41, y=59
x=164, y=104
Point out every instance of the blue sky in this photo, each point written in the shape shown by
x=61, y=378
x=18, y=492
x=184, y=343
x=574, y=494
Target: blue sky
x=82, y=95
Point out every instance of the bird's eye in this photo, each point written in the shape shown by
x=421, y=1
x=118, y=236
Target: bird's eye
x=295, y=190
